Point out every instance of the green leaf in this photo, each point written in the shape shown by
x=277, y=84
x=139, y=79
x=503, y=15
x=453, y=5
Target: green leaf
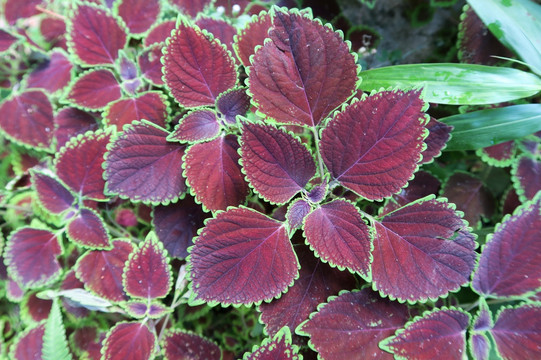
x=488, y=127
x=517, y=24
x=55, y=345
x=455, y=84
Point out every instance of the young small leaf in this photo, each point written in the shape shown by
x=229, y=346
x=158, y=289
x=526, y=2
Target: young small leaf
x=55, y=344
x=279, y=347
x=500, y=155
x=141, y=309
x=151, y=106
x=196, y=126
x=87, y=229
x=53, y=75
x=296, y=212
x=94, y=89
x=52, y=194
x=233, y=102
x=178, y=344
x=159, y=33
x=129, y=340
x=138, y=15
x=150, y=64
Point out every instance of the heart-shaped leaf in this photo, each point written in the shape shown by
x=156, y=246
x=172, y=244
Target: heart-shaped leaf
x=94, y=89
x=277, y=347
x=252, y=35
x=138, y=15
x=52, y=194
x=87, y=229
x=233, y=102
x=196, y=126
x=53, y=75
x=526, y=176
x=178, y=344
x=129, y=340
x=151, y=106
x=70, y=122
x=159, y=33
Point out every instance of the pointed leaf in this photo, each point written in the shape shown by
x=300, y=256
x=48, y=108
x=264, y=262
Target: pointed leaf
x=151, y=106
x=94, y=89
x=213, y=172
x=276, y=164
x=252, y=35
x=242, y=257
x=447, y=329
x=53, y=75
x=150, y=64
x=197, y=68
x=480, y=346
x=190, y=7
x=526, y=176
x=178, y=344
x=422, y=251
x=159, y=33
x=296, y=212
x=304, y=73
x=34, y=308
x=27, y=345
x=233, y=102
x=129, y=340
x=70, y=122
x=55, y=344
x=479, y=342
x=438, y=135
x=140, y=150
x=196, y=126
x=138, y=15
x=87, y=229
x=279, y=347
x=52, y=194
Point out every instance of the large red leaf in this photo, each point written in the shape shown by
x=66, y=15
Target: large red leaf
x=159, y=33
x=196, y=126
x=94, y=89
x=151, y=106
x=510, y=263
x=338, y=234
x=422, y=251
x=242, y=257
x=28, y=344
x=16, y=9
x=213, y=172
x=190, y=7
x=178, y=344
x=304, y=73
x=436, y=333
x=372, y=146
x=252, y=35
x=197, y=68
x=70, y=122
x=28, y=118
x=143, y=166
x=138, y=15
x=129, y=340
x=351, y=325
x=53, y=75
x=87, y=229
x=526, y=176
x=277, y=347
x=52, y=194
x=95, y=35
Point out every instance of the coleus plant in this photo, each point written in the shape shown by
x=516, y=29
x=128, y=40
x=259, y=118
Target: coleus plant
x=272, y=181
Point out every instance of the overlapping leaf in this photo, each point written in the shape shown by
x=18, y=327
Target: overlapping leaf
x=277, y=347
x=190, y=7
x=129, y=340
x=526, y=176
x=150, y=64
x=422, y=185
x=252, y=35
x=52, y=194
x=138, y=15
x=151, y=106
x=35, y=308
x=438, y=135
x=94, y=89
x=232, y=103
x=296, y=212
x=178, y=344
x=70, y=122
x=141, y=309
x=221, y=29
x=500, y=155
x=159, y=33
x=87, y=229
x=14, y=9
x=196, y=126
x=53, y=75
x=479, y=342
x=28, y=343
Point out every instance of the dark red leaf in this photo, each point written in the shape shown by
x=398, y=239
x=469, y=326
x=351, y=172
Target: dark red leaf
x=52, y=194
x=28, y=118
x=276, y=164
x=53, y=31
x=510, y=202
x=510, y=263
x=30, y=256
x=439, y=134
x=196, y=126
x=28, y=344
x=96, y=36
x=14, y=292
x=422, y=251
x=150, y=64
x=140, y=150
x=17, y=9
x=140, y=309
x=351, y=325
x=53, y=75
x=422, y=185
x=126, y=217
x=500, y=155
x=213, y=172
x=372, y=147
x=138, y=15
x=177, y=224
x=338, y=234
x=147, y=273
x=151, y=106
x=304, y=73
x=190, y=7
x=526, y=176
x=252, y=35
x=196, y=68
x=94, y=89
x=159, y=33
x=178, y=344
x=442, y=331
x=279, y=347
x=232, y=103
x=79, y=164
x=6, y=40
x=221, y=29
x=101, y=270
x=70, y=122
x=242, y=257
x=129, y=340
x=87, y=229
x=35, y=308
x=296, y=212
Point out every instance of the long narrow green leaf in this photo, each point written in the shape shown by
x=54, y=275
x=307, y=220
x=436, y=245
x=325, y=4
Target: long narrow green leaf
x=55, y=345
x=517, y=24
x=456, y=84
x=484, y=128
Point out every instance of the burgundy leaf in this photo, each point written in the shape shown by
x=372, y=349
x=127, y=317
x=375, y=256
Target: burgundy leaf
x=70, y=122
x=95, y=35
x=94, y=89
x=101, y=271
x=178, y=344
x=14, y=292
x=304, y=73
x=35, y=308
x=138, y=15
x=213, y=172
x=6, y=40
x=17, y=9
x=142, y=150
x=242, y=257
x=252, y=35
x=126, y=67
x=510, y=201
x=279, y=347
x=177, y=224
x=422, y=251
x=129, y=340
x=516, y=332
x=232, y=103
x=422, y=185
x=126, y=217
x=87, y=229
x=196, y=68
x=28, y=344
x=372, y=147
x=147, y=273
x=338, y=234
x=526, y=176
x=196, y=126
x=79, y=164
x=140, y=309
x=53, y=31
x=480, y=346
x=438, y=135
x=150, y=64
x=71, y=282
x=221, y=29
x=500, y=155
x=442, y=331
x=53, y=75
x=159, y=33
x=296, y=212
x=52, y=194
x=190, y=7
x=28, y=118
x=510, y=263
x=351, y=325
x=151, y=106
x=276, y=164
x=30, y=256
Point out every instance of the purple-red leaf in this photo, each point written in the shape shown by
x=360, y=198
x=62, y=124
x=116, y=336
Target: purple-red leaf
x=442, y=331
x=318, y=193
x=151, y=106
x=196, y=126
x=70, y=122
x=422, y=251
x=138, y=15
x=150, y=64
x=438, y=135
x=30, y=256
x=510, y=263
x=53, y=75
x=28, y=118
x=16, y=9
x=422, y=185
x=35, y=308
x=129, y=340
x=213, y=172
x=252, y=35
x=479, y=343
x=196, y=68
x=526, y=176
x=480, y=346
x=221, y=29
x=142, y=150
x=242, y=257
x=190, y=7
x=94, y=89
x=276, y=164
x=53, y=31
x=95, y=35
x=87, y=229
x=296, y=212
x=277, y=347
x=232, y=103
x=52, y=194
x=101, y=271
x=500, y=155
x=159, y=33
x=6, y=40
x=28, y=344
x=338, y=234
x=372, y=146
x=351, y=325
x=147, y=273
x=79, y=164
x=140, y=309
x=178, y=344
x=304, y=73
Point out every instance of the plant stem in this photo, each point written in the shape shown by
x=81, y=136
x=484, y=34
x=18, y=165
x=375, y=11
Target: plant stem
x=318, y=155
